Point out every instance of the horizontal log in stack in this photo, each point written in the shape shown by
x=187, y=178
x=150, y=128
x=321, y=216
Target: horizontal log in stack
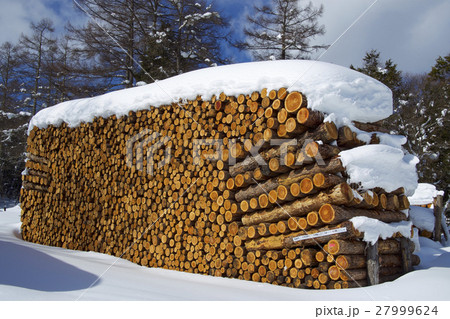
x=231, y=205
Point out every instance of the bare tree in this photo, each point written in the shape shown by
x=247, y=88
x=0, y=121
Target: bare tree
x=166, y=37
x=283, y=30
x=196, y=32
x=35, y=52
x=114, y=38
x=9, y=84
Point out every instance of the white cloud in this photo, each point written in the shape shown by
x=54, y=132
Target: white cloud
x=16, y=15
x=412, y=33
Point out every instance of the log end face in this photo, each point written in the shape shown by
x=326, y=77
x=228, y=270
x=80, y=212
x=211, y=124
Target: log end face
x=282, y=130
x=291, y=124
x=295, y=189
x=292, y=224
x=290, y=159
x=306, y=185
x=333, y=247
x=302, y=115
x=334, y=272
x=312, y=218
x=311, y=149
x=230, y=183
x=331, y=130
x=318, y=179
x=267, y=134
x=293, y=101
x=274, y=164
x=342, y=262
x=282, y=192
x=327, y=213
x=263, y=200
x=244, y=207
x=273, y=196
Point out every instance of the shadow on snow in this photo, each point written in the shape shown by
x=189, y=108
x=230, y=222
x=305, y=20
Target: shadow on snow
x=26, y=267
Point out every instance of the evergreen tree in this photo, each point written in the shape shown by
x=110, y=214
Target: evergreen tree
x=386, y=72
x=283, y=30
x=420, y=114
x=13, y=137
x=441, y=70
x=435, y=127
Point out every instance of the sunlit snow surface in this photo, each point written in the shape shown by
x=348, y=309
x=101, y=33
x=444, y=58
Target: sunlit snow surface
x=378, y=165
x=424, y=194
x=329, y=88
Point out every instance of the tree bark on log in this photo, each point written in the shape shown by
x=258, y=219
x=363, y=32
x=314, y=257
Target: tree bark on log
x=349, y=247
x=361, y=273
x=333, y=214
x=359, y=261
x=331, y=166
x=339, y=195
x=438, y=204
x=373, y=264
x=323, y=181
x=326, y=132
x=309, y=118
x=289, y=241
x=371, y=127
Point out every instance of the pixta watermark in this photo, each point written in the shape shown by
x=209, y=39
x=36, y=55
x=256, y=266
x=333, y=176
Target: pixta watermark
x=149, y=150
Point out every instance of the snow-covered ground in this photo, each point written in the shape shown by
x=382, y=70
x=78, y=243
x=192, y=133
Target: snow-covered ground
x=35, y=272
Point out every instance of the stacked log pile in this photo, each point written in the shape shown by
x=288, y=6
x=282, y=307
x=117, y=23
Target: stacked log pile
x=212, y=207
x=303, y=191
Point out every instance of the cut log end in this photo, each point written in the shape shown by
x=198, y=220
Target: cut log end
x=332, y=130
x=333, y=247
x=318, y=179
x=282, y=192
x=306, y=185
x=263, y=200
x=273, y=196
x=295, y=189
x=334, y=272
x=293, y=102
x=326, y=213
x=312, y=218
x=311, y=149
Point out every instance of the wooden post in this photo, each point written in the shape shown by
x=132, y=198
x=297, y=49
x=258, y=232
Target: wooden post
x=373, y=264
x=438, y=203
x=406, y=254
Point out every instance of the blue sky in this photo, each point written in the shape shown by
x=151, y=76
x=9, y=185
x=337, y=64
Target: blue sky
x=413, y=33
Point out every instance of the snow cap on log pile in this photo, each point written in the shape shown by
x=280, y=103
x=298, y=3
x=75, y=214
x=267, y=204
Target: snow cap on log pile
x=382, y=166
x=374, y=229
x=329, y=88
x=425, y=194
